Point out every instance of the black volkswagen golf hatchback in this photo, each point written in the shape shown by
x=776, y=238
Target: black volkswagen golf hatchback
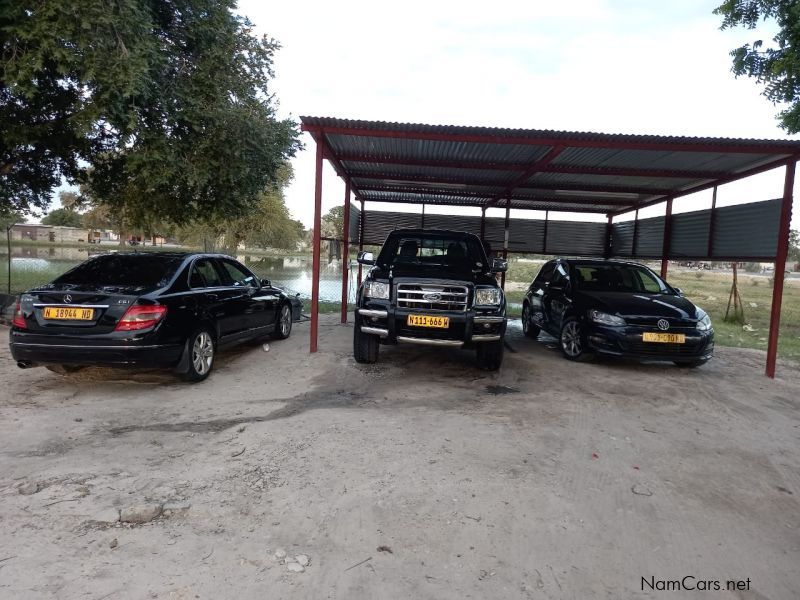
x=616, y=308
x=147, y=310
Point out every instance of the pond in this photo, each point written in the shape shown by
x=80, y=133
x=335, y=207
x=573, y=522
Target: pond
x=35, y=265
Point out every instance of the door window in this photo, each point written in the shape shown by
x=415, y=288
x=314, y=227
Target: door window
x=545, y=274
x=238, y=276
x=559, y=277
x=204, y=274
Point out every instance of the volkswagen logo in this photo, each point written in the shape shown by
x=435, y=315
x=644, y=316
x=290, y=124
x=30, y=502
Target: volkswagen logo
x=432, y=297
x=67, y=299
x=663, y=324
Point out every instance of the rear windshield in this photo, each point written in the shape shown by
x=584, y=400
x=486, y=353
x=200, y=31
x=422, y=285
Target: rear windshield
x=128, y=270
x=617, y=278
x=461, y=253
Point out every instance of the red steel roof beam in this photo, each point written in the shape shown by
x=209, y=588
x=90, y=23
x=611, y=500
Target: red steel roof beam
x=551, y=155
x=615, y=142
x=569, y=169
x=611, y=189
x=700, y=188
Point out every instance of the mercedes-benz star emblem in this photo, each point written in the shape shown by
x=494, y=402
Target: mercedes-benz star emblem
x=67, y=299
x=663, y=324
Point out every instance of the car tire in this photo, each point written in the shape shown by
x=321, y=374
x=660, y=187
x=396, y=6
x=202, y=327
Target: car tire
x=198, y=356
x=490, y=355
x=572, y=341
x=283, y=327
x=365, y=345
x=528, y=328
x=690, y=364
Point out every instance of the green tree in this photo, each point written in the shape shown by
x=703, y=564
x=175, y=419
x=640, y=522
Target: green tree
x=167, y=100
x=794, y=245
x=778, y=67
x=63, y=217
x=268, y=223
x=333, y=222
x=9, y=219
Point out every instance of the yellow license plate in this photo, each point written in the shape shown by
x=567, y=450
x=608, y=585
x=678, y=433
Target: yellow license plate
x=428, y=321
x=664, y=338
x=67, y=313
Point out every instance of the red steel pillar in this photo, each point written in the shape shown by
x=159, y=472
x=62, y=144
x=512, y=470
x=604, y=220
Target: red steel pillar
x=361, y=218
x=665, y=245
x=315, y=250
x=346, y=249
x=780, y=267
x=505, y=242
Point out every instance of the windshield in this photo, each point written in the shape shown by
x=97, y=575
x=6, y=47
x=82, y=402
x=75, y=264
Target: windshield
x=127, y=270
x=617, y=278
x=459, y=253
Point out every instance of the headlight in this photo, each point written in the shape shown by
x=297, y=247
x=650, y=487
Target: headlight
x=376, y=289
x=606, y=319
x=704, y=324
x=488, y=297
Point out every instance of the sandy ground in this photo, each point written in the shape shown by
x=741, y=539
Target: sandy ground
x=419, y=477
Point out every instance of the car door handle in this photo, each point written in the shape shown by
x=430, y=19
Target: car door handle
x=212, y=296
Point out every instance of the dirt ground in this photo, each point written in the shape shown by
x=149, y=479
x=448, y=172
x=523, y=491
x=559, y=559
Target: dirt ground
x=418, y=477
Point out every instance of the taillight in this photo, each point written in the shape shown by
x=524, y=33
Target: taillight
x=19, y=318
x=140, y=317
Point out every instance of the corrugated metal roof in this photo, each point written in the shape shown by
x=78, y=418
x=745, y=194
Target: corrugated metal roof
x=481, y=166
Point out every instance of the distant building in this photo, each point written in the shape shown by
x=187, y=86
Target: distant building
x=56, y=234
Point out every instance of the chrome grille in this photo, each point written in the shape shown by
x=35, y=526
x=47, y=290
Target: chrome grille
x=423, y=296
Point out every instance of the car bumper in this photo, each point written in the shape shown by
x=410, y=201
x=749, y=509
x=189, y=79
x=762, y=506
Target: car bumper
x=465, y=328
x=627, y=342
x=39, y=349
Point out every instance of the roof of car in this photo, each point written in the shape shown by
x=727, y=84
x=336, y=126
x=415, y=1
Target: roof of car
x=163, y=254
x=600, y=261
x=431, y=232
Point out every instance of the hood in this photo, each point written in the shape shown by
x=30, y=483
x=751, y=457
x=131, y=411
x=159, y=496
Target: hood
x=626, y=304
x=433, y=272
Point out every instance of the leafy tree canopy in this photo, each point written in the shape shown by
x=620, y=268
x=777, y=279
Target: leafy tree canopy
x=267, y=224
x=778, y=67
x=64, y=217
x=167, y=100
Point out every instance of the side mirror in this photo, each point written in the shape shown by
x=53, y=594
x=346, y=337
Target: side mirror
x=679, y=291
x=266, y=283
x=366, y=258
x=498, y=265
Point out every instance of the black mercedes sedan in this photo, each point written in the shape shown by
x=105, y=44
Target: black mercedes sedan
x=148, y=310
x=616, y=308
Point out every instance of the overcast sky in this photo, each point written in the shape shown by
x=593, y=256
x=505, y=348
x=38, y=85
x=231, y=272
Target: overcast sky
x=617, y=66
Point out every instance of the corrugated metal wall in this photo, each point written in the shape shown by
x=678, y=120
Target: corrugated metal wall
x=575, y=238
x=747, y=229
x=741, y=231
x=744, y=230
x=355, y=223
x=689, y=234
x=572, y=238
x=622, y=239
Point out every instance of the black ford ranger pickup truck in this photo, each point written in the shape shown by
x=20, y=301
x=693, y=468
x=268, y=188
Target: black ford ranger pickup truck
x=431, y=287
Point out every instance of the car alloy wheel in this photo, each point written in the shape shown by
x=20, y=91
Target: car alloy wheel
x=571, y=341
x=526, y=319
x=284, y=328
x=203, y=353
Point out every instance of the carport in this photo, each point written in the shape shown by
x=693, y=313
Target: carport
x=557, y=172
